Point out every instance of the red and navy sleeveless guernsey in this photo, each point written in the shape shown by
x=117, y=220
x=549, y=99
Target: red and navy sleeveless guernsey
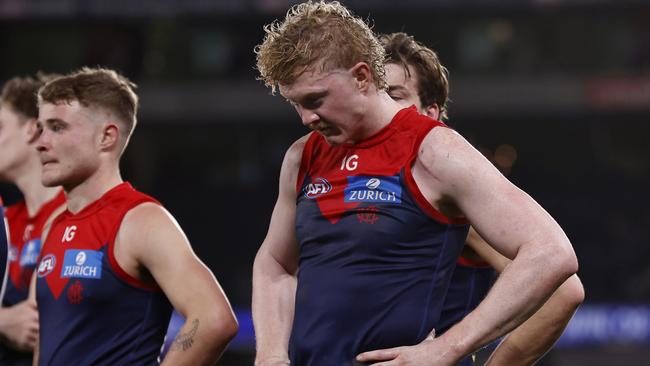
x=469, y=284
x=91, y=312
x=25, y=245
x=375, y=257
x=4, y=249
x=24, y=250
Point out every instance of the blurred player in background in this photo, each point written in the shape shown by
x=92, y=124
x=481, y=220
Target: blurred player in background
x=373, y=209
x=415, y=76
x=4, y=249
x=20, y=165
x=115, y=261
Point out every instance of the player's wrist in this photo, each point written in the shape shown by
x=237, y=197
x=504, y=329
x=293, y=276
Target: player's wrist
x=274, y=360
x=452, y=347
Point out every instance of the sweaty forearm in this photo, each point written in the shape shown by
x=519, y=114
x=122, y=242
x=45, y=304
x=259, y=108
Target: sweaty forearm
x=274, y=293
x=532, y=339
x=521, y=289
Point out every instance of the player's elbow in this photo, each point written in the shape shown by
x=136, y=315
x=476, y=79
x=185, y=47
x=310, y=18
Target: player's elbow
x=573, y=292
x=562, y=260
x=229, y=329
x=227, y=326
x=567, y=262
x=222, y=328
x=266, y=265
x=260, y=262
x=556, y=259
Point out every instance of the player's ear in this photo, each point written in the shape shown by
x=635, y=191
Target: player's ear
x=432, y=111
x=31, y=130
x=110, y=135
x=362, y=76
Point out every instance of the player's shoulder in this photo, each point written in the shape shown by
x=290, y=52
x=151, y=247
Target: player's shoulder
x=293, y=156
x=298, y=146
x=444, y=147
x=145, y=218
x=443, y=137
x=145, y=222
x=147, y=229
x=145, y=213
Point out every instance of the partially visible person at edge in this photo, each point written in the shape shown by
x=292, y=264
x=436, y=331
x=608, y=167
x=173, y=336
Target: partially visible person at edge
x=4, y=249
x=373, y=212
x=416, y=77
x=19, y=165
x=115, y=261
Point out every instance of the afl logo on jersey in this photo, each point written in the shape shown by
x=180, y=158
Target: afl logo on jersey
x=47, y=265
x=319, y=187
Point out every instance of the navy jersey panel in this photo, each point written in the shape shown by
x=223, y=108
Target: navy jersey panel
x=467, y=289
x=374, y=266
x=99, y=327
x=379, y=290
x=90, y=311
x=176, y=322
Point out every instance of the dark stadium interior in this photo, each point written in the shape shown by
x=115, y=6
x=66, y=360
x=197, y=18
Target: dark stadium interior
x=563, y=85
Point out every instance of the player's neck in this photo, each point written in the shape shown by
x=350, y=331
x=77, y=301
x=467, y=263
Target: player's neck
x=381, y=111
x=91, y=189
x=28, y=181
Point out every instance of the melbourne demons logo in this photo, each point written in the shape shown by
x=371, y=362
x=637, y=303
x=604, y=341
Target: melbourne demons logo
x=368, y=215
x=319, y=187
x=75, y=293
x=47, y=265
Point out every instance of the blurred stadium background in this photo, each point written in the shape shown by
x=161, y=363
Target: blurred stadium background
x=555, y=92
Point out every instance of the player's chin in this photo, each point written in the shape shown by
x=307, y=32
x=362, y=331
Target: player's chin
x=333, y=138
x=50, y=179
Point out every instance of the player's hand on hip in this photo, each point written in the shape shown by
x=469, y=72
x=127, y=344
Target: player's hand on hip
x=429, y=352
x=20, y=325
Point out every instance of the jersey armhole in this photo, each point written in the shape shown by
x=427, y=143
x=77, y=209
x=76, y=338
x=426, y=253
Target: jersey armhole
x=415, y=190
x=115, y=266
x=466, y=262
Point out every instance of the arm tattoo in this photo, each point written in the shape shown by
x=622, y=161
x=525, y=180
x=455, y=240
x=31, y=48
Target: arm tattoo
x=185, y=340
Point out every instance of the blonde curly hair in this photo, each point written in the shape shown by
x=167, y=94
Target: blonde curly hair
x=319, y=36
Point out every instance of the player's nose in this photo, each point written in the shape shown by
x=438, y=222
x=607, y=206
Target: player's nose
x=307, y=116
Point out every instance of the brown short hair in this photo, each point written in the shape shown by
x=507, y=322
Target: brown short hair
x=314, y=34
x=21, y=93
x=95, y=87
x=433, y=77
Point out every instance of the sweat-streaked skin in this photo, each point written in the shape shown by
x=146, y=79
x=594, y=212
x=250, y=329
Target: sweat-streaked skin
x=80, y=148
x=445, y=170
x=331, y=104
x=67, y=146
x=532, y=339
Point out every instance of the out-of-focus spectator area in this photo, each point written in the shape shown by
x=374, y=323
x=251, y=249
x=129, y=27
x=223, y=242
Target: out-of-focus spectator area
x=555, y=92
